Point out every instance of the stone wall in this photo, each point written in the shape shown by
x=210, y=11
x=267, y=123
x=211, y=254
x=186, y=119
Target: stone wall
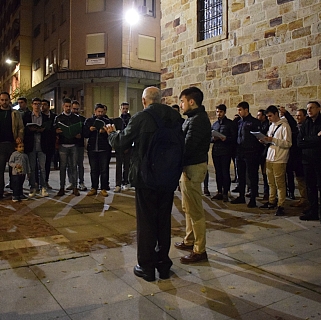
x=271, y=55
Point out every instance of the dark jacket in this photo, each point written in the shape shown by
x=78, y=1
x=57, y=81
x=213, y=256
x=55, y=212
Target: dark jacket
x=197, y=132
x=229, y=129
x=67, y=120
x=139, y=131
x=309, y=141
x=246, y=142
x=96, y=141
x=29, y=135
x=122, y=121
x=52, y=134
x=81, y=141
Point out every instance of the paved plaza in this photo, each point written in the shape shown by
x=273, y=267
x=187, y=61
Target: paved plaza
x=73, y=257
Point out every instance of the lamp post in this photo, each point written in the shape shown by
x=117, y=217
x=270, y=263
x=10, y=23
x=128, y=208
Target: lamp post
x=9, y=61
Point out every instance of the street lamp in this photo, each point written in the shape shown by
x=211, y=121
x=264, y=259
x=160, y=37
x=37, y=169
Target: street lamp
x=9, y=61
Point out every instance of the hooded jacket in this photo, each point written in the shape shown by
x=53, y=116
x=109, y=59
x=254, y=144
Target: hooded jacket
x=279, y=149
x=140, y=130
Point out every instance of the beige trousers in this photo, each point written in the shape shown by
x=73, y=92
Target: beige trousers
x=276, y=178
x=190, y=185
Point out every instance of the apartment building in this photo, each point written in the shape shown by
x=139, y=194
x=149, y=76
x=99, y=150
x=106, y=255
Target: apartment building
x=87, y=50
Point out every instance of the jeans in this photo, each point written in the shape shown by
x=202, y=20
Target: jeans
x=153, y=212
x=222, y=171
x=80, y=166
x=191, y=189
x=6, y=148
x=122, y=167
x=248, y=164
x=17, y=181
x=99, y=167
x=68, y=156
x=37, y=157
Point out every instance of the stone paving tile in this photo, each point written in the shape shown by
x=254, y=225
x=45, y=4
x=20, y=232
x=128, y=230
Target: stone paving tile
x=17, y=278
x=136, y=308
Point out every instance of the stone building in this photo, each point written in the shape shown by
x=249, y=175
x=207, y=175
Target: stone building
x=261, y=51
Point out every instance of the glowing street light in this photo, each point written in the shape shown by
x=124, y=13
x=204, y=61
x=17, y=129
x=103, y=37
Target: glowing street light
x=132, y=17
x=9, y=61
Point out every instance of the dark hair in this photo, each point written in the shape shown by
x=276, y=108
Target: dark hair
x=244, y=105
x=221, y=107
x=262, y=111
x=124, y=104
x=36, y=99
x=46, y=101
x=75, y=102
x=23, y=99
x=315, y=102
x=271, y=109
x=16, y=144
x=66, y=100
x=175, y=106
x=5, y=92
x=304, y=111
x=193, y=93
x=99, y=106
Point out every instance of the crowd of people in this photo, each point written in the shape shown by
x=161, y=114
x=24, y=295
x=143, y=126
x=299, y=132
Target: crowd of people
x=35, y=137
x=274, y=141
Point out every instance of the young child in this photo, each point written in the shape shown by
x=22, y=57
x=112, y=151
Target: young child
x=20, y=167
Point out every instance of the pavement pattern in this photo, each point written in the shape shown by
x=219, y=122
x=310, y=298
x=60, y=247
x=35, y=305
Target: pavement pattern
x=73, y=257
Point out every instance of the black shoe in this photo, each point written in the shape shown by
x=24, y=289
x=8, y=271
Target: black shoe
x=291, y=196
x=139, y=272
x=279, y=211
x=225, y=198
x=218, y=196
x=164, y=270
x=206, y=192
x=252, y=204
x=309, y=217
x=238, y=200
x=268, y=205
x=237, y=189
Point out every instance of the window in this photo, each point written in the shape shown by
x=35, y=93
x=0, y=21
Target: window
x=36, y=65
x=147, y=7
x=46, y=30
x=46, y=65
x=146, y=48
x=95, y=44
x=211, y=19
x=96, y=5
x=53, y=22
x=36, y=31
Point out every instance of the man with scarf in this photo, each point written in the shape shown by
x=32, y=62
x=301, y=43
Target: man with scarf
x=122, y=157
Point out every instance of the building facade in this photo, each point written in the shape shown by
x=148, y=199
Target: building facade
x=87, y=50
x=264, y=52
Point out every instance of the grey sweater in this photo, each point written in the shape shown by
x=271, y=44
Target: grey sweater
x=22, y=159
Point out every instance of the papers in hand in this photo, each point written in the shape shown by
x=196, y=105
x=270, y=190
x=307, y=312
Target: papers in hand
x=260, y=136
x=46, y=125
x=98, y=124
x=70, y=131
x=216, y=134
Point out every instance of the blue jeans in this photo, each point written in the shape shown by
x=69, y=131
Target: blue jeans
x=99, y=166
x=34, y=157
x=68, y=156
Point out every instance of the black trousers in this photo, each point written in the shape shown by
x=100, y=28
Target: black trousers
x=17, y=181
x=153, y=214
x=312, y=175
x=248, y=164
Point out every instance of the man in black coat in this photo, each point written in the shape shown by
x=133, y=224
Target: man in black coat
x=248, y=154
x=309, y=140
x=153, y=208
x=224, y=133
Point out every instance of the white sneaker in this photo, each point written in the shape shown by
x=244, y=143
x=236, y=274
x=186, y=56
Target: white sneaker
x=32, y=193
x=44, y=192
x=82, y=187
x=125, y=187
x=117, y=189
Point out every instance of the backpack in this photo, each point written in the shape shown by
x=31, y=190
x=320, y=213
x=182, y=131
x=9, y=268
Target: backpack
x=162, y=164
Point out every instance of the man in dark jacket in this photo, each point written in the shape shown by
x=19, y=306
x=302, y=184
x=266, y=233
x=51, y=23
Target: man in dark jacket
x=248, y=154
x=224, y=133
x=153, y=208
x=123, y=157
x=197, y=131
x=309, y=140
x=68, y=127
x=99, y=150
x=36, y=145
